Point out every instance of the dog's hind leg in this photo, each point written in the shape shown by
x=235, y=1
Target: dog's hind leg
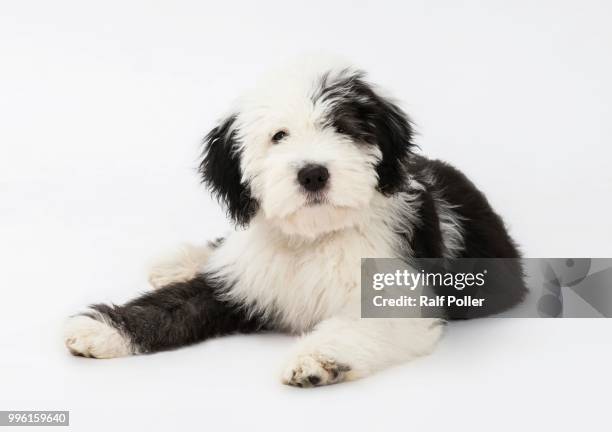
x=175, y=315
x=183, y=266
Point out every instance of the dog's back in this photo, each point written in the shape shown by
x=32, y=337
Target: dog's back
x=457, y=222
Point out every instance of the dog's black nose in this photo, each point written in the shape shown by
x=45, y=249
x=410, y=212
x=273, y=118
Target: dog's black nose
x=313, y=177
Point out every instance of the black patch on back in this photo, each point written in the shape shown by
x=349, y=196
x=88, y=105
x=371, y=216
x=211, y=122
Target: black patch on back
x=426, y=241
x=484, y=235
x=220, y=170
x=359, y=112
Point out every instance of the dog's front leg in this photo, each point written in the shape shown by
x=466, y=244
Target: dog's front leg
x=345, y=348
x=175, y=315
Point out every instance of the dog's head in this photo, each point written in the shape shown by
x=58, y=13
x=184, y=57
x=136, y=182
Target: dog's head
x=308, y=151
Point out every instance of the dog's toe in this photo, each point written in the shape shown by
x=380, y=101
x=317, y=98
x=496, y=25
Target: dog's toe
x=314, y=371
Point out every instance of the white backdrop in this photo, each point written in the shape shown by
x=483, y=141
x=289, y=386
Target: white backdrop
x=102, y=108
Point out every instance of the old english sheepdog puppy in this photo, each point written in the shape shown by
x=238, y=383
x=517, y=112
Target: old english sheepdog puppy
x=317, y=169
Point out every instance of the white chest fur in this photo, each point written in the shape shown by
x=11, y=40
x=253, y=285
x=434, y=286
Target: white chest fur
x=298, y=283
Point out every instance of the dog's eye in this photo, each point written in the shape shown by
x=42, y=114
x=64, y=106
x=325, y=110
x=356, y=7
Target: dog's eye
x=278, y=136
x=340, y=130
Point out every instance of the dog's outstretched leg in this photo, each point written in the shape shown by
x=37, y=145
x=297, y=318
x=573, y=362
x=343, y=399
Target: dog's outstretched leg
x=342, y=348
x=183, y=266
x=175, y=315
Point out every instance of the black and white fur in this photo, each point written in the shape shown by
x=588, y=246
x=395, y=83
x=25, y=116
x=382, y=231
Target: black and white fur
x=292, y=264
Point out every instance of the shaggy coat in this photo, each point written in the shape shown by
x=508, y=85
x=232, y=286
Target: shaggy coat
x=317, y=169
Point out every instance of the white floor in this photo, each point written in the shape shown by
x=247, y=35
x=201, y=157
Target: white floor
x=101, y=113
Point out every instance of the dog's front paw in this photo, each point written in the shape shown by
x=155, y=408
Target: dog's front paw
x=89, y=337
x=315, y=370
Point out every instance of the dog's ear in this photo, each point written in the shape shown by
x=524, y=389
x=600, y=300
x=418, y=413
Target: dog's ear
x=359, y=110
x=393, y=132
x=220, y=170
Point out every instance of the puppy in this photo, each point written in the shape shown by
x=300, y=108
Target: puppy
x=317, y=169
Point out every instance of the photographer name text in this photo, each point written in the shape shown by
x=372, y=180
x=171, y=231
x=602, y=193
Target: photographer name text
x=426, y=301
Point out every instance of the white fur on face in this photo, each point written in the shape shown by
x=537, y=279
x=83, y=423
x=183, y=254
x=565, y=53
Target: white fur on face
x=270, y=168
